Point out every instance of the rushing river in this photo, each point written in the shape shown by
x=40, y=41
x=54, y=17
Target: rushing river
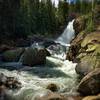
x=35, y=79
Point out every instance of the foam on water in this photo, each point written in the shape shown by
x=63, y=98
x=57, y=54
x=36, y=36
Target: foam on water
x=58, y=71
x=36, y=79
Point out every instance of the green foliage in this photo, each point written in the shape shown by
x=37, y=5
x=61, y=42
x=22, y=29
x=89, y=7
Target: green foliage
x=20, y=18
x=62, y=12
x=90, y=24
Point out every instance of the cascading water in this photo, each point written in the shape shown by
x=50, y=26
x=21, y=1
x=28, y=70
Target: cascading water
x=63, y=41
x=35, y=80
x=67, y=35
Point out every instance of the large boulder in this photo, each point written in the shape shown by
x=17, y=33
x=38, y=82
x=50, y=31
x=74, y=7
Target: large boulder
x=87, y=64
x=90, y=57
x=34, y=56
x=90, y=84
x=12, y=55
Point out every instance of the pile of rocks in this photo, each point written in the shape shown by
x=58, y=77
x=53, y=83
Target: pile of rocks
x=9, y=82
x=85, y=50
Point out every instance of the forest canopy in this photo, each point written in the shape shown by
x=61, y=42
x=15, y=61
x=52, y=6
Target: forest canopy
x=20, y=18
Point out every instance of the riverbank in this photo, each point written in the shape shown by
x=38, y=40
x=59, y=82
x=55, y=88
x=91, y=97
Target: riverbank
x=85, y=50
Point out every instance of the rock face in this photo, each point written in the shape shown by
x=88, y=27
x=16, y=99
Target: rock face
x=90, y=84
x=12, y=55
x=85, y=50
x=90, y=58
x=34, y=56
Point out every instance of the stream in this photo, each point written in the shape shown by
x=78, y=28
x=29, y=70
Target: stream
x=35, y=79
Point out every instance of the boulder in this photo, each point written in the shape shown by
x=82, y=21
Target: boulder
x=51, y=96
x=92, y=98
x=90, y=84
x=53, y=87
x=87, y=64
x=89, y=55
x=34, y=56
x=12, y=55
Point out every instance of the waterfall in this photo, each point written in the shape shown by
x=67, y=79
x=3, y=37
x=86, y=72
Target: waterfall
x=67, y=35
x=35, y=79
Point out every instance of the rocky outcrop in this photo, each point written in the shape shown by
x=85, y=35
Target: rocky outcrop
x=90, y=84
x=85, y=50
x=75, y=46
x=89, y=55
x=34, y=56
x=12, y=55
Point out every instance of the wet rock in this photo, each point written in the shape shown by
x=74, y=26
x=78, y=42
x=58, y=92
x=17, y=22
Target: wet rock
x=51, y=96
x=87, y=64
x=34, y=56
x=9, y=82
x=92, y=98
x=53, y=87
x=12, y=55
x=75, y=47
x=58, y=96
x=90, y=58
x=90, y=84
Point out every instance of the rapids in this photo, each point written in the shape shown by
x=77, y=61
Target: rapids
x=35, y=79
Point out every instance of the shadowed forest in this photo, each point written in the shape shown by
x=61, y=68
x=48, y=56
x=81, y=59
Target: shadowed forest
x=21, y=18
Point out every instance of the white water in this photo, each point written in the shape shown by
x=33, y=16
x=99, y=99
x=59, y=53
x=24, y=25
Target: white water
x=63, y=42
x=67, y=35
x=60, y=72
x=36, y=79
